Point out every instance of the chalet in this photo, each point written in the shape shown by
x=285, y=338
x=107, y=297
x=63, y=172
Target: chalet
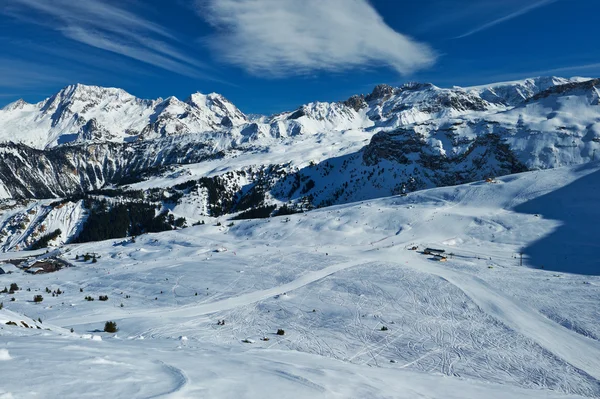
x=433, y=251
x=440, y=258
x=49, y=265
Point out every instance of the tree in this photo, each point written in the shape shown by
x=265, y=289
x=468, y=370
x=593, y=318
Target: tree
x=38, y=298
x=110, y=327
x=44, y=240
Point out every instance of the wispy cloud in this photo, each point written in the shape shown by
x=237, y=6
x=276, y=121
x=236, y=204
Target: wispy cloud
x=102, y=25
x=515, y=14
x=586, y=70
x=594, y=67
x=20, y=74
x=590, y=68
x=288, y=37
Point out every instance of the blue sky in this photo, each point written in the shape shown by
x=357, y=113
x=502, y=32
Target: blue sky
x=268, y=56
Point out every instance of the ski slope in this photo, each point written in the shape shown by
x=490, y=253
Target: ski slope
x=478, y=325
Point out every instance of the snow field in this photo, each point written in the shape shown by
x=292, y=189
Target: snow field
x=493, y=328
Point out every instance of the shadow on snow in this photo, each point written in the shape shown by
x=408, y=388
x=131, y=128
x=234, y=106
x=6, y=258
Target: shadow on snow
x=574, y=247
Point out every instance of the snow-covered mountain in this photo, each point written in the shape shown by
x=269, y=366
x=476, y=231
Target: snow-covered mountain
x=393, y=140
x=514, y=93
x=82, y=113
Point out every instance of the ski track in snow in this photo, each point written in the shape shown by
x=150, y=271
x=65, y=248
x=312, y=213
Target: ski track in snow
x=579, y=351
x=179, y=377
x=333, y=286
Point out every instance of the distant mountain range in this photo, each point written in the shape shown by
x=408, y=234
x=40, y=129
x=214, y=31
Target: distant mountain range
x=207, y=158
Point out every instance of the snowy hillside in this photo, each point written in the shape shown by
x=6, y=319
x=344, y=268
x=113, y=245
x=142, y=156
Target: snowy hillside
x=361, y=314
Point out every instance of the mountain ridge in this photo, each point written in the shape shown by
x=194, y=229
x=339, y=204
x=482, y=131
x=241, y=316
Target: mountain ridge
x=82, y=113
x=389, y=142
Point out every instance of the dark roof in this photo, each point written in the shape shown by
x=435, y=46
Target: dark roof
x=435, y=250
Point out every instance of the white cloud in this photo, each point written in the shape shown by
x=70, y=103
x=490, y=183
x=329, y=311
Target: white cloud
x=290, y=37
x=96, y=39
x=515, y=14
x=102, y=25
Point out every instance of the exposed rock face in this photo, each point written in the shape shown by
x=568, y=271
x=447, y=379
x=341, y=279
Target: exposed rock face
x=356, y=102
x=75, y=169
x=380, y=92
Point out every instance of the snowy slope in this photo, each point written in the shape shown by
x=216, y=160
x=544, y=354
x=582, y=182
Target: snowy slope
x=478, y=325
x=21, y=226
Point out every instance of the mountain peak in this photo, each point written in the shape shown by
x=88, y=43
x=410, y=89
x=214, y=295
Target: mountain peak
x=81, y=90
x=381, y=91
x=218, y=105
x=19, y=104
x=414, y=86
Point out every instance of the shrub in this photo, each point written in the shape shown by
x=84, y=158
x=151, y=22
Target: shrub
x=103, y=298
x=110, y=327
x=38, y=298
x=14, y=287
x=89, y=298
x=384, y=328
x=280, y=332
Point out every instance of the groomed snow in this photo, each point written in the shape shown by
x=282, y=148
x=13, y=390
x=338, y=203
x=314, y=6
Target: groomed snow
x=477, y=326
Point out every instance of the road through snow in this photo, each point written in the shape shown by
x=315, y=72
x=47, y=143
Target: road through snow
x=217, y=306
